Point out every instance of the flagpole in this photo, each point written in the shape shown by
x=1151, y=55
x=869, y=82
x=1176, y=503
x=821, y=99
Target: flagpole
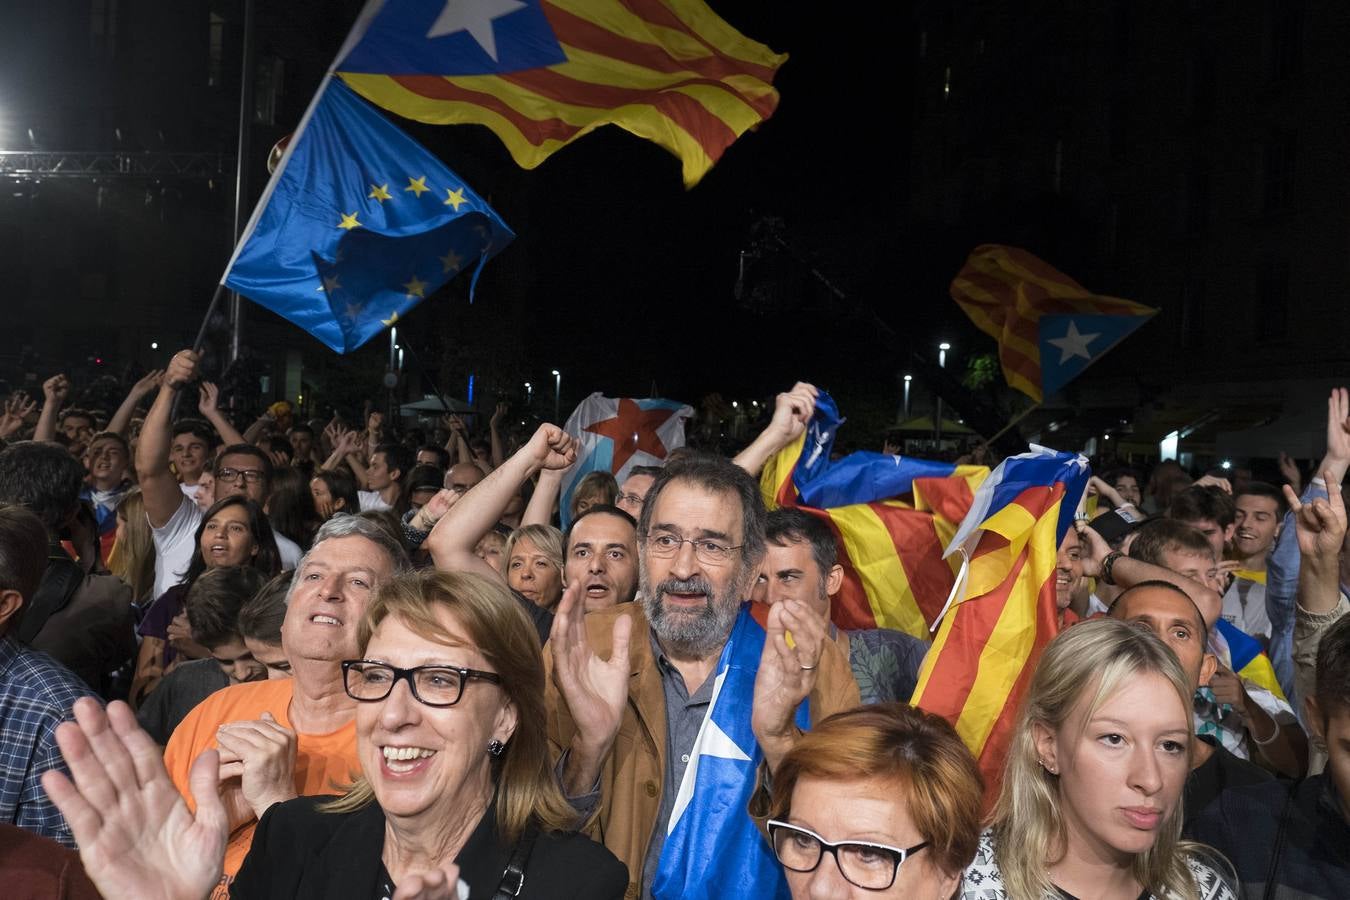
x=1015, y=419
x=241, y=173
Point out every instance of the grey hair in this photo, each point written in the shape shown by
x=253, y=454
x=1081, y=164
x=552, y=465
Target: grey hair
x=343, y=525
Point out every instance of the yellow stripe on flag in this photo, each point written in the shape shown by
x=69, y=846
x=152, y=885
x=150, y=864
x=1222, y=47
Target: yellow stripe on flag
x=869, y=546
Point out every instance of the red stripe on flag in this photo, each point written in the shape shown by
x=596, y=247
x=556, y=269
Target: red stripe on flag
x=536, y=131
x=849, y=608
x=657, y=13
x=920, y=552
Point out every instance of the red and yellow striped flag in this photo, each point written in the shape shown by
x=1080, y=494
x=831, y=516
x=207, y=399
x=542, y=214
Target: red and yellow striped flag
x=987, y=645
x=670, y=71
x=1007, y=291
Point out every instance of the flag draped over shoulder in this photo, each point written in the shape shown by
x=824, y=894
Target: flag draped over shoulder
x=1048, y=327
x=988, y=643
x=541, y=73
x=613, y=435
x=358, y=225
x=1248, y=659
x=713, y=848
x=891, y=516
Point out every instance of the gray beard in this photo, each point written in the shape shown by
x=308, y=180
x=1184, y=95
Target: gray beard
x=699, y=635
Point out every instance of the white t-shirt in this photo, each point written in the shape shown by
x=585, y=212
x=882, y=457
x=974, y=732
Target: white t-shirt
x=1244, y=605
x=189, y=490
x=176, y=541
x=372, y=500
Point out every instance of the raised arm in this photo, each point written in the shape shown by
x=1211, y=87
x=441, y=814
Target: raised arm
x=452, y=540
x=539, y=511
x=54, y=393
x=208, y=405
x=1321, y=526
x=17, y=409
x=1127, y=572
x=495, y=433
x=457, y=445
x=159, y=487
x=121, y=419
x=791, y=413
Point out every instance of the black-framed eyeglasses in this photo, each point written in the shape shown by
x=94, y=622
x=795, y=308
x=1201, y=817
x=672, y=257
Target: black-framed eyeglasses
x=630, y=499
x=665, y=545
x=370, y=682
x=872, y=867
x=230, y=476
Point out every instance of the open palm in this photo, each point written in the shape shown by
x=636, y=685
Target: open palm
x=137, y=838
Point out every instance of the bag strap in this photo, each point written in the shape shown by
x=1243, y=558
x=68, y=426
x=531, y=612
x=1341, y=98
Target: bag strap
x=61, y=579
x=513, y=879
x=1285, y=815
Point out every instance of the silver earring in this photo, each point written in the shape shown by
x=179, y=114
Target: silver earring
x=496, y=747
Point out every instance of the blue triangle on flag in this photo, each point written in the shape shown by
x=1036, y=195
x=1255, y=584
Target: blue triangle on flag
x=1071, y=343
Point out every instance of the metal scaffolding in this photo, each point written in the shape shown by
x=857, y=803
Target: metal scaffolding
x=26, y=165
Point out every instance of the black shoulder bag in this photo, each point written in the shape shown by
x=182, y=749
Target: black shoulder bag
x=513, y=879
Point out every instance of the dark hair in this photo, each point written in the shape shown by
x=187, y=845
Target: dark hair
x=1264, y=489
x=652, y=471
x=396, y=457
x=23, y=553
x=1203, y=502
x=214, y=600
x=301, y=427
x=267, y=560
x=1158, y=536
x=278, y=443
x=1124, y=472
x=264, y=461
x=598, y=487
x=792, y=525
x=716, y=475
x=424, y=477
x=1333, y=667
x=196, y=428
x=261, y=616
x=1158, y=583
x=387, y=521
x=341, y=486
x=290, y=506
x=111, y=436
x=74, y=412
x=599, y=508
x=442, y=455
x=42, y=477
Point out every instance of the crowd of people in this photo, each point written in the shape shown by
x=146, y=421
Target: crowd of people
x=313, y=660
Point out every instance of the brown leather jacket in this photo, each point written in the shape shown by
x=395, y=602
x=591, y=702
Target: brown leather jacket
x=630, y=780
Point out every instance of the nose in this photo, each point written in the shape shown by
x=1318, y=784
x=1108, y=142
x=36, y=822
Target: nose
x=330, y=588
x=685, y=563
x=827, y=882
x=399, y=708
x=1145, y=773
x=596, y=564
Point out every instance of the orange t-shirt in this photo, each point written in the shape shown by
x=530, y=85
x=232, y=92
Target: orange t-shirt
x=324, y=763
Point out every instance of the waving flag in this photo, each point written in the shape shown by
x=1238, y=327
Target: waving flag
x=1048, y=327
x=541, y=73
x=358, y=225
x=987, y=646
x=713, y=848
x=616, y=434
x=1247, y=659
x=892, y=516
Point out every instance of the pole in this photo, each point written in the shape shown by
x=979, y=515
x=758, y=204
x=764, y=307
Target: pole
x=937, y=420
x=909, y=379
x=241, y=171
x=1015, y=419
x=557, y=396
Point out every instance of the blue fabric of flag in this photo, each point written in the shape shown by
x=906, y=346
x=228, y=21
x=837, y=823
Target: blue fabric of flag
x=360, y=225
x=1248, y=659
x=466, y=37
x=713, y=848
x=1071, y=343
x=1041, y=467
x=861, y=477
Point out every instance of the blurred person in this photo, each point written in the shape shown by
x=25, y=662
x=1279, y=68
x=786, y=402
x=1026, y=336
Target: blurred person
x=462, y=476
x=205, y=494
x=278, y=448
x=456, y=794
x=431, y=455
x=234, y=532
x=36, y=692
x=491, y=547
x=1068, y=574
x=534, y=564
x=423, y=482
x=1167, y=479
x=1090, y=804
x=213, y=604
x=334, y=491
x=290, y=506
x=106, y=459
x=601, y=556
x=1127, y=483
x=878, y=801
x=801, y=563
x=595, y=489
x=1260, y=509
x=84, y=621
x=1209, y=510
x=260, y=622
x=132, y=557
x=634, y=489
x=304, y=448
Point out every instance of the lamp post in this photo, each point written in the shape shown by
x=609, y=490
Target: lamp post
x=942, y=364
x=529, y=395
x=557, y=396
x=905, y=414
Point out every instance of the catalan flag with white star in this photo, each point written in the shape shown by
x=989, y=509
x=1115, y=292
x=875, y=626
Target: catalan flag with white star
x=358, y=225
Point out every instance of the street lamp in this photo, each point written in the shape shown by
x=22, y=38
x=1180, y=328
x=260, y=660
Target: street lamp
x=908, y=380
x=942, y=364
x=557, y=396
x=529, y=394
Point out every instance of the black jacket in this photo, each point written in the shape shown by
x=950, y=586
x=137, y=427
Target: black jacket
x=299, y=852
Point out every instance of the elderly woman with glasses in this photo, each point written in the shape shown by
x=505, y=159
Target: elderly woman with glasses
x=878, y=801
x=457, y=796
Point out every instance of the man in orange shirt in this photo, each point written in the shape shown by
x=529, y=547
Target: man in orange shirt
x=285, y=738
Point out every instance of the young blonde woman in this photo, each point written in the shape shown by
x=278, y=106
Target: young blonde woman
x=1091, y=799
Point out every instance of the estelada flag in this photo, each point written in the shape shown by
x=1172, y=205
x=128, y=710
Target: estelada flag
x=1049, y=328
x=541, y=73
x=1003, y=613
x=892, y=516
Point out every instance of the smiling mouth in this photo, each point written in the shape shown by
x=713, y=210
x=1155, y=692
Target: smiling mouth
x=324, y=620
x=404, y=760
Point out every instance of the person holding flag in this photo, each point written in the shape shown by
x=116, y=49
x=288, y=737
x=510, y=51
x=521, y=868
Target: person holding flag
x=663, y=711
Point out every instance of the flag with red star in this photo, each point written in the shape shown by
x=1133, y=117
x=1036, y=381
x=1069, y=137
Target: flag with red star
x=616, y=434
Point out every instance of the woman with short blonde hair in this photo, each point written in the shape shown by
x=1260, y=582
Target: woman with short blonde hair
x=534, y=564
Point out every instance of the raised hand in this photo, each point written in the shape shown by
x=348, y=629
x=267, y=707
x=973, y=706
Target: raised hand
x=261, y=752
x=147, y=382
x=787, y=673
x=792, y=410
x=1338, y=434
x=56, y=389
x=552, y=448
x=499, y=414
x=1289, y=469
x=1093, y=549
x=595, y=689
x=17, y=409
x=1320, y=524
x=208, y=399
x=182, y=369
x=1098, y=485
x=434, y=509
x=1222, y=484
x=138, y=841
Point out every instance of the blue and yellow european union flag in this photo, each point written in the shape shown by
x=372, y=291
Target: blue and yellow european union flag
x=358, y=225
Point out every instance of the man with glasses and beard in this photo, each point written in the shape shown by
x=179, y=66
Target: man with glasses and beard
x=630, y=686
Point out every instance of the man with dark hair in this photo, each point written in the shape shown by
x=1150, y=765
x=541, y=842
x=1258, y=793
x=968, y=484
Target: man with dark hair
x=191, y=443
x=84, y=621
x=1259, y=509
x=800, y=563
x=1172, y=615
x=634, y=489
x=384, y=476
x=239, y=469
x=600, y=557
x=260, y=622
x=106, y=460
x=626, y=729
x=1209, y=510
x=431, y=455
x=36, y=694
x=304, y=448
